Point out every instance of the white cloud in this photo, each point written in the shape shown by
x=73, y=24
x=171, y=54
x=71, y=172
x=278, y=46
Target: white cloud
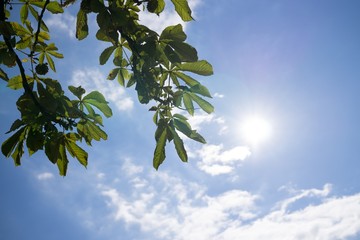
x=334, y=218
x=45, y=176
x=93, y=79
x=185, y=210
x=215, y=161
x=62, y=22
x=162, y=206
x=182, y=210
x=219, y=95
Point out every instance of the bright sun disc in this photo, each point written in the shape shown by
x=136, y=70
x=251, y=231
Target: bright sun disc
x=256, y=130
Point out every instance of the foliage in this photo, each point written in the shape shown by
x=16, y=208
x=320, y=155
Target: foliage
x=158, y=66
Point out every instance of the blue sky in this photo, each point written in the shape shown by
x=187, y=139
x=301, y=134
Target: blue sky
x=295, y=64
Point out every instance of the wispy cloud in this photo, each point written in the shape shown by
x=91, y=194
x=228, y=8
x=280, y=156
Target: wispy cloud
x=45, y=176
x=184, y=210
x=62, y=22
x=93, y=79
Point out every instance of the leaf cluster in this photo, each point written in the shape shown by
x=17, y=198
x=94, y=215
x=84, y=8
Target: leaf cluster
x=160, y=67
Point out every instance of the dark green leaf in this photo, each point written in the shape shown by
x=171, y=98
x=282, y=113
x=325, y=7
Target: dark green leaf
x=186, y=52
x=77, y=91
x=3, y=75
x=82, y=29
x=34, y=141
x=159, y=153
x=104, y=57
x=62, y=160
x=8, y=146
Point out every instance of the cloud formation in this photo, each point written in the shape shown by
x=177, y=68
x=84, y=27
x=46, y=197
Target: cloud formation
x=215, y=161
x=45, y=176
x=62, y=22
x=185, y=210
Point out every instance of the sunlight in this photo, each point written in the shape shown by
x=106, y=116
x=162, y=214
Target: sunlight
x=255, y=129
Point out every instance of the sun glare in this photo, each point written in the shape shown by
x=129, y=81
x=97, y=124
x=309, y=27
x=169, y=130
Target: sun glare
x=255, y=129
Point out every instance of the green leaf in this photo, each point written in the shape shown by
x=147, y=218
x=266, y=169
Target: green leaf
x=200, y=67
x=179, y=145
x=3, y=75
x=62, y=160
x=34, y=141
x=24, y=12
x=156, y=6
x=159, y=153
x=50, y=62
x=113, y=73
x=200, y=89
x=176, y=115
x=82, y=29
x=16, y=82
x=206, y=106
x=96, y=99
x=54, y=7
x=187, y=79
x=77, y=91
x=188, y=103
x=89, y=131
x=16, y=124
x=186, y=52
x=75, y=151
x=183, y=9
x=173, y=33
x=9, y=145
x=104, y=57
x=183, y=126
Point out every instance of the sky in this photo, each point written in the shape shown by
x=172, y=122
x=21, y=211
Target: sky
x=293, y=65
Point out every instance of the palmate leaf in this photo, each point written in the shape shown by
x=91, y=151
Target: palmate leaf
x=89, y=131
x=75, y=151
x=96, y=99
x=206, y=106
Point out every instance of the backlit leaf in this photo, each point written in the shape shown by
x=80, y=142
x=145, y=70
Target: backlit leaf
x=200, y=67
x=183, y=9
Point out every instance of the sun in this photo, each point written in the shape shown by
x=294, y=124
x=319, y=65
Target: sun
x=255, y=129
